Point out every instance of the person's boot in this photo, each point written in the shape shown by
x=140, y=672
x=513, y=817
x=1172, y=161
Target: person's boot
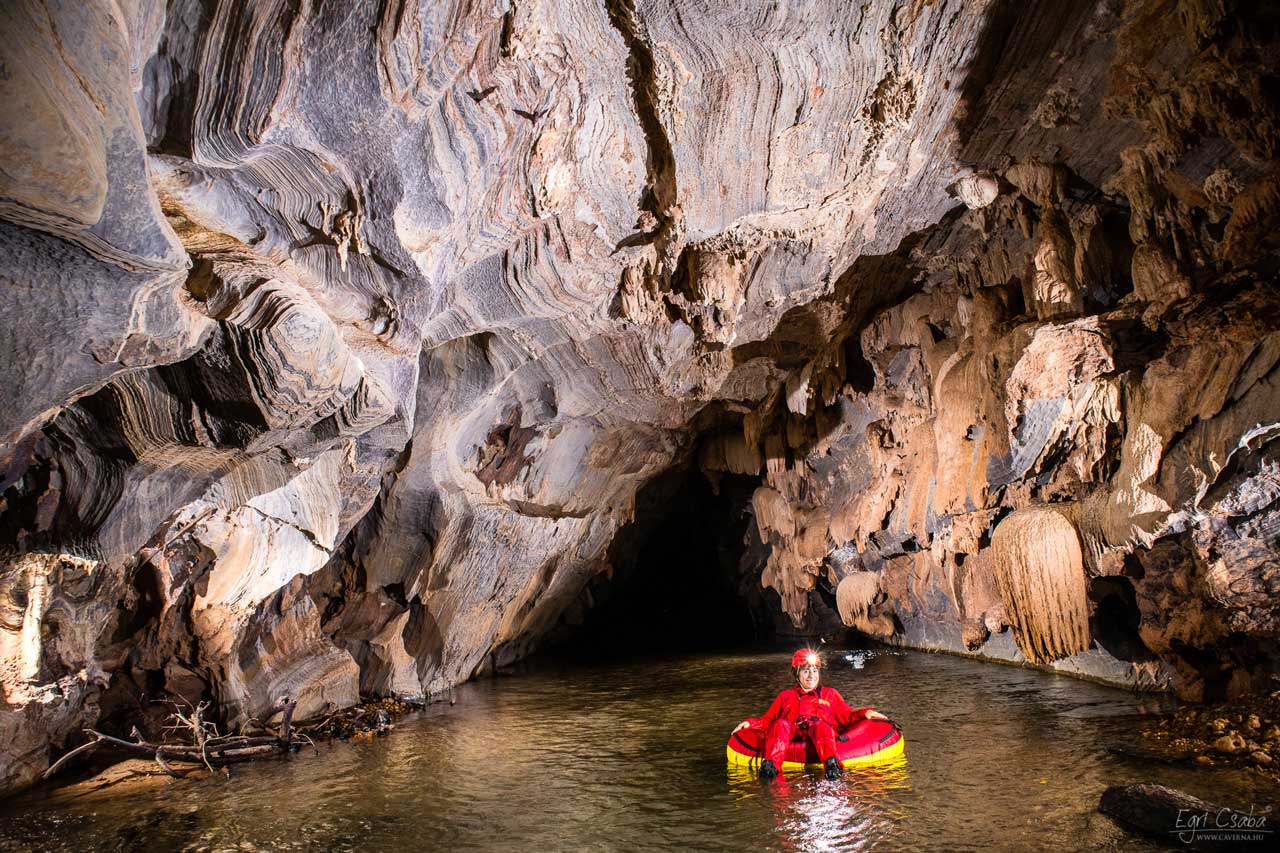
x=768, y=770
x=834, y=770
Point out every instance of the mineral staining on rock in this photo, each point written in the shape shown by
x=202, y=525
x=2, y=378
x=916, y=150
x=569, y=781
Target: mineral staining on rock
x=340, y=339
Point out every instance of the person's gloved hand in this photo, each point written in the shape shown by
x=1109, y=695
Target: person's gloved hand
x=876, y=715
x=742, y=725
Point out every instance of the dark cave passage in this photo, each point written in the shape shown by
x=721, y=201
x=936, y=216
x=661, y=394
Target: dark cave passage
x=1115, y=619
x=679, y=583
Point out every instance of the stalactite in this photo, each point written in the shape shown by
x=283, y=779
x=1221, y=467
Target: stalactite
x=1042, y=582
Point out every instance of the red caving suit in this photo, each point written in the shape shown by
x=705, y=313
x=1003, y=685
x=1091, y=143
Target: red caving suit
x=824, y=708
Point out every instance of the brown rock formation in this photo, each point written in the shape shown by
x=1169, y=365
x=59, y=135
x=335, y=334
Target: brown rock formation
x=342, y=338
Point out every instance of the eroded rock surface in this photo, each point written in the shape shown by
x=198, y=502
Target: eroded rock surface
x=341, y=338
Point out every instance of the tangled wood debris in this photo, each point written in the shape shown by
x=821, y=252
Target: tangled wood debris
x=203, y=742
x=365, y=720
x=196, y=741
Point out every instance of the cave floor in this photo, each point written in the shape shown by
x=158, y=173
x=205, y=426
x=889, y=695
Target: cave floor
x=630, y=756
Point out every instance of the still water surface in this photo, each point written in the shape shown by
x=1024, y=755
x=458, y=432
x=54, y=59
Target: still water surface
x=630, y=756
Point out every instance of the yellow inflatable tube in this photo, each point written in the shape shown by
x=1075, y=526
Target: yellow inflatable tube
x=867, y=742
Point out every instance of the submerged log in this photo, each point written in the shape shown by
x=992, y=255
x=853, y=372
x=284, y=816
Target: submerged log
x=1180, y=819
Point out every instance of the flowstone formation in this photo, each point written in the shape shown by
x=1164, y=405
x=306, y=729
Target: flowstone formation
x=340, y=338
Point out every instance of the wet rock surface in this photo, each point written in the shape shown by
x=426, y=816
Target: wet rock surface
x=341, y=339
x=1241, y=733
x=1170, y=816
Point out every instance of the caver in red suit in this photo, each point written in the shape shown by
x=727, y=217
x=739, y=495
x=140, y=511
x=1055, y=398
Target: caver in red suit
x=817, y=715
x=808, y=711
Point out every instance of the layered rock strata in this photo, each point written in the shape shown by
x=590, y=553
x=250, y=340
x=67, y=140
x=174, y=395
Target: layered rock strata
x=342, y=337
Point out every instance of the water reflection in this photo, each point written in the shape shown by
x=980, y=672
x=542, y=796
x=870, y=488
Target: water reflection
x=810, y=813
x=627, y=757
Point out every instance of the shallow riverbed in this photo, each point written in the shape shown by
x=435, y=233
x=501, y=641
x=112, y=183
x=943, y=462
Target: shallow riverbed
x=630, y=756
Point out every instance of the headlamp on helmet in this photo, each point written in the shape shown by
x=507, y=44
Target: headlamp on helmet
x=805, y=657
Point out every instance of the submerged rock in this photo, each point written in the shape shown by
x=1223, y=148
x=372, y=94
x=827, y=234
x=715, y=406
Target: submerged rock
x=1209, y=735
x=1172, y=817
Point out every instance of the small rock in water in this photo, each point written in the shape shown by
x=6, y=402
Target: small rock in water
x=1229, y=743
x=1260, y=757
x=1253, y=724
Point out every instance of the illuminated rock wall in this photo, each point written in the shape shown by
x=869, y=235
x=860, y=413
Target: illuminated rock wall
x=340, y=337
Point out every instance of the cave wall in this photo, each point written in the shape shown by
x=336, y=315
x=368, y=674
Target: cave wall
x=341, y=337
x=1058, y=448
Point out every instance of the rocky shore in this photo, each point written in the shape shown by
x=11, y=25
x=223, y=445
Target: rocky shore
x=1241, y=733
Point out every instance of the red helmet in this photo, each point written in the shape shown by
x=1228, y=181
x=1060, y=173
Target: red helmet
x=805, y=656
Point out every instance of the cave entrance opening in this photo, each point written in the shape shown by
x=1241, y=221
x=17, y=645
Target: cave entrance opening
x=678, y=582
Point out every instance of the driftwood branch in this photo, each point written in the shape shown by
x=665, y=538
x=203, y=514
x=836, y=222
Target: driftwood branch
x=286, y=723
x=209, y=749
x=165, y=767
x=79, y=750
x=222, y=751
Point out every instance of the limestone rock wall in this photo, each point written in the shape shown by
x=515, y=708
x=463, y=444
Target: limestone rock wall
x=341, y=337
x=1066, y=429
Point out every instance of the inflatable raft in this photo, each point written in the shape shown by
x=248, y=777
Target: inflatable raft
x=865, y=742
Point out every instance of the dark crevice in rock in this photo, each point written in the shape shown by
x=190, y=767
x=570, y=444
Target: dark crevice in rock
x=504, y=35
x=1115, y=619
x=660, y=195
